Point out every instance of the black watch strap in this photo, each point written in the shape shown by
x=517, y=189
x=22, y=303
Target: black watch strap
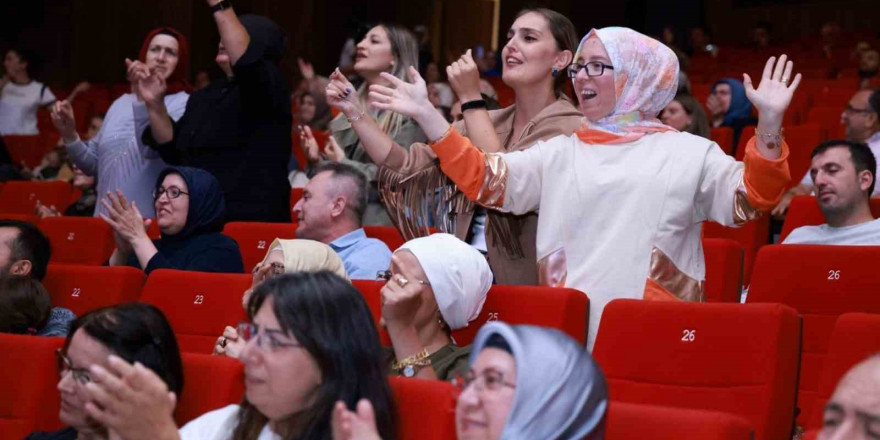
x=220, y=6
x=477, y=103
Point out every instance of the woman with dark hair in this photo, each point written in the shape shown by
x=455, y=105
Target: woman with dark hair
x=311, y=342
x=116, y=156
x=133, y=332
x=524, y=382
x=189, y=212
x=686, y=114
x=25, y=308
x=539, y=48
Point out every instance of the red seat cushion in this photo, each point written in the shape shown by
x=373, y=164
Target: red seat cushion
x=630, y=421
x=79, y=240
x=426, y=408
x=29, y=400
x=209, y=382
x=86, y=288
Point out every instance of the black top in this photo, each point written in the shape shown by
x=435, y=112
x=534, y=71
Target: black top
x=238, y=129
x=212, y=252
x=64, y=434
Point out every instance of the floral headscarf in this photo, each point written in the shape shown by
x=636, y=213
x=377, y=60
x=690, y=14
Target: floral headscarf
x=645, y=82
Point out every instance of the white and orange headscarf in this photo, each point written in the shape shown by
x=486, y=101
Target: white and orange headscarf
x=645, y=82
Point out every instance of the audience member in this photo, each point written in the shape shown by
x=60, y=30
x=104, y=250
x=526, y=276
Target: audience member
x=539, y=49
x=132, y=332
x=728, y=106
x=115, y=155
x=331, y=211
x=311, y=342
x=386, y=48
x=854, y=408
x=312, y=107
x=95, y=125
x=441, y=95
x=48, y=168
x=701, y=42
x=762, y=35
x=189, y=211
x=623, y=133
x=26, y=308
x=844, y=176
x=672, y=40
x=237, y=129
x=686, y=114
x=869, y=66
x=862, y=122
x=24, y=250
x=513, y=391
x=436, y=284
x=432, y=72
x=203, y=80
x=83, y=207
x=21, y=96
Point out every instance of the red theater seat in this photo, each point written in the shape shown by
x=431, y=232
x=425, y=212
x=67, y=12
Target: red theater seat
x=209, y=383
x=254, y=238
x=560, y=308
x=752, y=236
x=79, y=240
x=387, y=234
x=630, y=421
x=20, y=197
x=29, y=218
x=29, y=149
x=723, y=136
x=821, y=283
x=198, y=305
x=804, y=211
x=732, y=358
x=724, y=266
x=426, y=408
x=86, y=288
x=856, y=337
x=29, y=400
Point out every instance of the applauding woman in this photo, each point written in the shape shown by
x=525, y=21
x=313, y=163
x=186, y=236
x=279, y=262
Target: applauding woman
x=189, y=209
x=539, y=48
x=624, y=198
x=116, y=156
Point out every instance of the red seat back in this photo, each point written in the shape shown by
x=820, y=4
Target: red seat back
x=821, y=283
x=79, y=240
x=561, y=308
x=254, y=238
x=804, y=211
x=724, y=266
x=29, y=218
x=29, y=400
x=20, y=197
x=752, y=236
x=631, y=421
x=733, y=358
x=387, y=234
x=209, y=383
x=856, y=337
x=826, y=117
x=85, y=288
x=426, y=408
x=723, y=136
x=198, y=305
x=26, y=148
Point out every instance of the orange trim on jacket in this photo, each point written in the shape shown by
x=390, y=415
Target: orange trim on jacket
x=765, y=179
x=462, y=162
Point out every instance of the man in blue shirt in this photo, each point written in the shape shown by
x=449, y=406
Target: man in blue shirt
x=330, y=211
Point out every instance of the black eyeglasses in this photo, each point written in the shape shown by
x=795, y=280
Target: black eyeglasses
x=80, y=375
x=385, y=275
x=172, y=191
x=852, y=110
x=593, y=68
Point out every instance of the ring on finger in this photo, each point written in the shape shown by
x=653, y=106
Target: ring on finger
x=402, y=282
x=223, y=341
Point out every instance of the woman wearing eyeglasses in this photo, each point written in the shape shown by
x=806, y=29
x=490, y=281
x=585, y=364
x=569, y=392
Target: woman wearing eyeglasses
x=311, y=342
x=189, y=211
x=134, y=332
x=436, y=284
x=622, y=201
x=539, y=47
x=524, y=382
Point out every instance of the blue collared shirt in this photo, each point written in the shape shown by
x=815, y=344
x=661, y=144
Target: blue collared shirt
x=363, y=257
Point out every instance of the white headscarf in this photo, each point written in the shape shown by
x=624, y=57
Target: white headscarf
x=458, y=273
x=560, y=391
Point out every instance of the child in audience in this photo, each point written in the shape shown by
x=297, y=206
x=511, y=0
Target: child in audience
x=25, y=308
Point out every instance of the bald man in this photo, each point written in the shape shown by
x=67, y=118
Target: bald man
x=853, y=413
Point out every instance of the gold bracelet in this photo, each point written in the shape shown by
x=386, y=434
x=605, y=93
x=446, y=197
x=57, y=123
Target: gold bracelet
x=419, y=359
x=772, y=140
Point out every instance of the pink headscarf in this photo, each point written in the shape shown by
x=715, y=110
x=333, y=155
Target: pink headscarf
x=645, y=82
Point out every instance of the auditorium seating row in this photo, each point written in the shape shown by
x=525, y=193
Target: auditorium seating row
x=674, y=370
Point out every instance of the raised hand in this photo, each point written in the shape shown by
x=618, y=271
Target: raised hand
x=125, y=218
x=309, y=144
x=81, y=87
x=342, y=95
x=774, y=93
x=464, y=77
x=401, y=298
x=333, y=151
x=64, y=120
x=354, y=425
x=305, y=69
x=407, y=98
x=151, y=90
x=135, y=70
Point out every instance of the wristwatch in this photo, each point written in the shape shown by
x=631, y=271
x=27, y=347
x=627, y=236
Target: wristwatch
x=220, y=6
x=410, y=370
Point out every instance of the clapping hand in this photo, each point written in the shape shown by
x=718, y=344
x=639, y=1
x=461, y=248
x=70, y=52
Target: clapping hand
x=464, y=77
x=342, y=95
x=354, y=425
x=126, y=220
x=407, y=98
x=309, y=144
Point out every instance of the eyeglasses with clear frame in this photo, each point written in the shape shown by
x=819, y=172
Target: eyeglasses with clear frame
x=489, y=379
x=267, y=339
x=172, y=191
x=593, y=68
x=80, y=375
x=386, y=275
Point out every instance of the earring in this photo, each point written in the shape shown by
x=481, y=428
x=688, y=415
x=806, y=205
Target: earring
x=554, y=72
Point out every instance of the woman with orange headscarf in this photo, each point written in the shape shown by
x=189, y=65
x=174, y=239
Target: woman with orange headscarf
x=622, y=200
x=116, y=155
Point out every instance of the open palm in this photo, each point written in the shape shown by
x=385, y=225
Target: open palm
x=407, y=98
x=774, y=93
